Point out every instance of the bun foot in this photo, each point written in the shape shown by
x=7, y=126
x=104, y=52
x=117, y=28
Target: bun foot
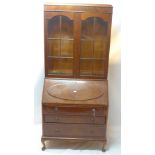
x=43, y=148
x=43, y=142
x=103, y=149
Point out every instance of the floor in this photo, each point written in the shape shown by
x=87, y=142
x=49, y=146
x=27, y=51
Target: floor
x=87, y=148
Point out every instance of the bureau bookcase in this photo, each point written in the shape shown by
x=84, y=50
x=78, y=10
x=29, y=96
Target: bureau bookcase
x=75, y=94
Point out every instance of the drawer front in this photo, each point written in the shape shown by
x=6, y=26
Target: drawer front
x=98, y=111
x=73, y=119
x=73, y=130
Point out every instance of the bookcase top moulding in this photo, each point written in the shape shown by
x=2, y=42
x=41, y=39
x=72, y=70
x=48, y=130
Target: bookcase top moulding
x=79, y=4
x=106, y=8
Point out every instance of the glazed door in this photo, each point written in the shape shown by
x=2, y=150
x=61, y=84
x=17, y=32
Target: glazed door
x=59, y=44
x=94, y=49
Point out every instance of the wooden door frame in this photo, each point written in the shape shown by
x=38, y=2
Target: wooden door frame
x=47, y=17
x=107, y=18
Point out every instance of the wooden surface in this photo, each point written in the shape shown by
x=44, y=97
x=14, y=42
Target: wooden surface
x=76, y=90
x=101, y=8
x=72, y=119
x=101, y=93
x=75, y=94
x=78, y=4
x=74, y=110
x=69, y=39
x=73, y=130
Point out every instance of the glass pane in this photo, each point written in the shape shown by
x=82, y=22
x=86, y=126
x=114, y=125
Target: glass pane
x=98, y=67
x=87, y=28
x=60, y=45
x=60, y=66
x=54, y=47
x=86, y=67
x=86, y=48
x=93, y=46
x=54, y=27
x=67, y=47
x=99, y=48
x=66, y=27
x=100, y=28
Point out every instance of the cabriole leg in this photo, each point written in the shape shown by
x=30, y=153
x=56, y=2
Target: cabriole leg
x=43, y=142
x=103, y=148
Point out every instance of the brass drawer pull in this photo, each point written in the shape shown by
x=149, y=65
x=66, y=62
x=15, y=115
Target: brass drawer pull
x=56, y=108
x=57, y=118
x=93, y=110
x=57, y=130
x=92, y=119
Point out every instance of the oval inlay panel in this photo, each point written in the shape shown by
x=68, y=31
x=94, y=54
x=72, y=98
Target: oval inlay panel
x=76, y=90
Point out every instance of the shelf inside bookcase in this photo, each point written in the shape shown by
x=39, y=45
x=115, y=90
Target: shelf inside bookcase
x=60, y=47
x=92, y=67
x=60, y=65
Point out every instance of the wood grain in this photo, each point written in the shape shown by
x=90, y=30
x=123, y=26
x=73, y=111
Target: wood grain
x=76, y=130
x=101, y=100
x=75, y=94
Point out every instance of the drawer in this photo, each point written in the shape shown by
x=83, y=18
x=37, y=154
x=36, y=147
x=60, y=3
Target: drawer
x=98, y=111
x=73, y=130
x=73, y=119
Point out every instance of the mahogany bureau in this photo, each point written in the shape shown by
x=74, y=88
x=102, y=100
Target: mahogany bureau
x=75, y=94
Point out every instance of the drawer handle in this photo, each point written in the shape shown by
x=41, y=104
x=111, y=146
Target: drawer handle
x=57, y=130
x=57, y=118
x=56, y=108
x=93, y=110
x=92, y=119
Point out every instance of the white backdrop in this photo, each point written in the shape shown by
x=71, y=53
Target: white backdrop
x=22, y=74
x=21, y=66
